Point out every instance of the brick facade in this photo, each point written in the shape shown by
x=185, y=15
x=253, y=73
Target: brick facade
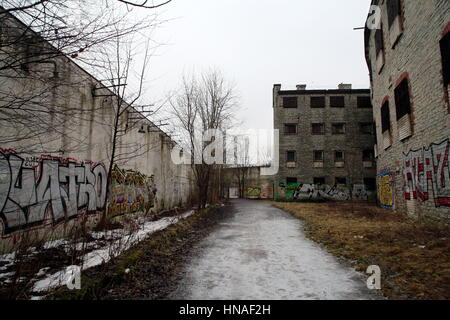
x=407, y=78
x=308, y=154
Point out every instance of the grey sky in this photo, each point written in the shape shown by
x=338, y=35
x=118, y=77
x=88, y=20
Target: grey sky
x=257, y=43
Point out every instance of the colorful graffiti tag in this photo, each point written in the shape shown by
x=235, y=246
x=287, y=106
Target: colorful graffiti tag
x=306, y=191
x=48, y=190
x=386, y=189
x=428, y=169
x=263, y=192
x=131, y=192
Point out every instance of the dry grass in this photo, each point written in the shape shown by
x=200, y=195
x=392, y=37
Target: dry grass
x=414, y=257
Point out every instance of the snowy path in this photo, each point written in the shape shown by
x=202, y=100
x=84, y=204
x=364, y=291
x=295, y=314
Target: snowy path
x=261, y=252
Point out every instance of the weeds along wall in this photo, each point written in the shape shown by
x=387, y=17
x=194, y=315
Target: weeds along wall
x=56, y=138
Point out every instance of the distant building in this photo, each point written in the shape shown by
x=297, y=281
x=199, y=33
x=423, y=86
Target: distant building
x=409, y=64
x=326, y=137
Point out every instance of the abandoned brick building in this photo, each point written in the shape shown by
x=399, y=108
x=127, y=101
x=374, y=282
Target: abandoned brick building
x=409, y=62
x=326, y=136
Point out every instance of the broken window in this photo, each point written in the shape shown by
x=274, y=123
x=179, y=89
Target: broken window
x=364, y=102
x=445, y=53
x=393, y=10
x=291, y=156
x=318, y=156
x=338, y=128
x=319, y=181
x=385, y=118
x=402, y=100
x=317, y=102
x=366, y=127
x=379, y=42
x=318, y=128
x=291, y=180
x=290, y=129
x=341, y=181
x=368, y=155
x=339, y=156
x=337, y=102
x=370, y=184
x=290, y=102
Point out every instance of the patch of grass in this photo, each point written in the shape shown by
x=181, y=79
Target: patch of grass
x=414, y=256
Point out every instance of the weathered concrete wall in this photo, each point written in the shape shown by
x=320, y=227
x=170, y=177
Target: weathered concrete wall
x=54, y=163
x=414, y=170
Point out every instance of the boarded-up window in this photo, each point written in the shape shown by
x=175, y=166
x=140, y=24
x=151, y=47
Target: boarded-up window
x=366, y=127
x=402, y=100
x=290, y=102
x=379, y=41
x=290, y=129
x=385, y=118
x=337, y=102
x=317, y=102
x=393, y=10
x=291, y=156
x=338, y=128
x=318, y=156
x=291, y=180
x=364, y=102
x=445, y=53
x=318, y=128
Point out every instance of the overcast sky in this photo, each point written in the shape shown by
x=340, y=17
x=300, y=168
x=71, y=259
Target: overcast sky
x=257, y=43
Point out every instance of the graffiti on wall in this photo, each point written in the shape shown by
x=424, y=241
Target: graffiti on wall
x=265, y=191
x=386, y=189
x=426, y=171
x=306, y=191
x=130, y=192
x=48, y=190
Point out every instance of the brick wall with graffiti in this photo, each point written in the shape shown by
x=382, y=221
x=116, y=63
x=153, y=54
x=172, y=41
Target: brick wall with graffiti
x=306, y=191
x=426, y=174
x=48, y=191
x=265, y=191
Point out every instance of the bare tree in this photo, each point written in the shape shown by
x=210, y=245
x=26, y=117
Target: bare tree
x=203, y=104
x=36, y=40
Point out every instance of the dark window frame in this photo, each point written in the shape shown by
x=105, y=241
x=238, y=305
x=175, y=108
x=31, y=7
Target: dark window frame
x=385, y=117
x=317, y=102
x=290, y=102
x=317, y=133
x=337, y=102
x=287, y=132
x=339, y=159
x=291, y=179
x=338, y=132
x=336, y=180
x=370, y=184
x=322, y=181
x=402, y=99
x=361, y=102
x=445, y=57
x=368, y=155
x=379, y=41
x=318, y=159
x=394, y=10
x=290, y=152
x=363, y=126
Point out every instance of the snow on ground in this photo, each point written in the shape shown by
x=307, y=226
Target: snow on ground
x=106, y=245
x=262, y=253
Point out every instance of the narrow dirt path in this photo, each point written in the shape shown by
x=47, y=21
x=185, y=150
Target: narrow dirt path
x=261, y=252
